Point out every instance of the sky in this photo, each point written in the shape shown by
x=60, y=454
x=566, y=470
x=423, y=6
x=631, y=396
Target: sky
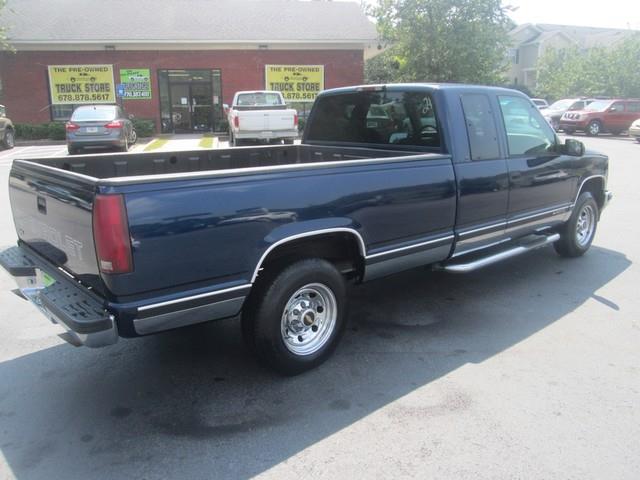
x=588, y=13
x=610, y=13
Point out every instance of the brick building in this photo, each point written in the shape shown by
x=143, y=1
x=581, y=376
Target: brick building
x=176, y=61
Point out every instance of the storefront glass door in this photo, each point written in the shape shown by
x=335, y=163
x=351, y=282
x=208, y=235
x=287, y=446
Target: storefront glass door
x=190, y=101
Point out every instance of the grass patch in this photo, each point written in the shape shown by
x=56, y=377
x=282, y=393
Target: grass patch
x=157, y=143
x=207, y=141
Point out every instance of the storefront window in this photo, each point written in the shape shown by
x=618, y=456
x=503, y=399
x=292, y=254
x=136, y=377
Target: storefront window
x=61, y=113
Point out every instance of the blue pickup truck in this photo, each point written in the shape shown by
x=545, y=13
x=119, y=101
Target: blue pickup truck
x=387, y=178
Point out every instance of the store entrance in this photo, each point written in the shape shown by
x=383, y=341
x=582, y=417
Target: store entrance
x=190, y=101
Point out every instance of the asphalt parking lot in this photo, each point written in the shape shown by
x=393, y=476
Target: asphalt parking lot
x=527, y=369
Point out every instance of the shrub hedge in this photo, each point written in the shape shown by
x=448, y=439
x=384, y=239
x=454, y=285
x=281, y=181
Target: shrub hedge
x=56, y=131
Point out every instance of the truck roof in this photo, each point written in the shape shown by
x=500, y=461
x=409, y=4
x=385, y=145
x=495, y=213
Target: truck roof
x=258, y=91
x=418, y=86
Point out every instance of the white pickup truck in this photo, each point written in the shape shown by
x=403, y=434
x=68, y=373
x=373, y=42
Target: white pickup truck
x=263, y=116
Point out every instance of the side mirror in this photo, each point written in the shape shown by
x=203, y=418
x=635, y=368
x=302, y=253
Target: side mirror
x=2, y=112
x=573, y=147
x=612, y=109
x=225, y=107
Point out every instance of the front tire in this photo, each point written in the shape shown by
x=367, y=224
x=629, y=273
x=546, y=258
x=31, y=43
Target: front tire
x=577, y=234
x=294, y=319
x=594, y=128
x=8, y=139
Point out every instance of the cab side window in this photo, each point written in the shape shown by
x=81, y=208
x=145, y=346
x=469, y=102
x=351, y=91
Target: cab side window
x=633, y=107
x=527, y=131
x=618, y=106
x=481, y=126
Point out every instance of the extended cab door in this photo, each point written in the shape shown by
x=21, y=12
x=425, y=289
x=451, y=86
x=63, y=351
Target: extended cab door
x=541, y=181
x=481, y=172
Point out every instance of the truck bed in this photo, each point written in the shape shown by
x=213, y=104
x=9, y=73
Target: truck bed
x=103, y=166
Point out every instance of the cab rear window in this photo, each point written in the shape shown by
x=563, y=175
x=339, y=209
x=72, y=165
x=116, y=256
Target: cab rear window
x=376, y=117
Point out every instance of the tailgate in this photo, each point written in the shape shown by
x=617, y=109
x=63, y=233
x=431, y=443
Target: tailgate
x=266, y=120
x=52, y=213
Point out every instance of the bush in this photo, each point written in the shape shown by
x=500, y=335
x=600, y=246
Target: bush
x=43, y=131
x=144, y=127
x=56, y=131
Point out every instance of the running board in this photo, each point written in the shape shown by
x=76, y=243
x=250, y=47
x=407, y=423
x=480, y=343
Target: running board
x=498, y=257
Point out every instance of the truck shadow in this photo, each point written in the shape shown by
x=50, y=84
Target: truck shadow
x=192, y=404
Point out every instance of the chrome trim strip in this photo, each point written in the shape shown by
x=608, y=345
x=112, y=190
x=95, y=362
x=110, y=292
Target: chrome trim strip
x=188, y=316
x=548, y=211
x=193, y=297
x=604, y=185
x=488, y=227
x=312, y=233
x=408, y=247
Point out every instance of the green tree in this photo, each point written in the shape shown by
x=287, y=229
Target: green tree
x=383, y=68
x=444, y=40
x=4, y=41
x=611, y=71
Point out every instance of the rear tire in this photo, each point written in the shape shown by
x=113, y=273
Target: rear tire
x=294, y=318
x=125, y=147
x=288, y=141
x=72, y=150
x=8, y=139
x=577, y=234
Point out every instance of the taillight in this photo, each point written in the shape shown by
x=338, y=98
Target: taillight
x=115, y=124
x=111, y=234
x=295, y=120
x=236, y=121
x=71, y=127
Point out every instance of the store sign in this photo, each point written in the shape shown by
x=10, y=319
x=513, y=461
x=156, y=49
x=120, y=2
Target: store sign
x=298, y=83
x=136, y=82
x=78, y=84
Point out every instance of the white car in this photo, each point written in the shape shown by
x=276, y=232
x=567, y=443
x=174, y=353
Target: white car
x=634, y=130
x=262, y=116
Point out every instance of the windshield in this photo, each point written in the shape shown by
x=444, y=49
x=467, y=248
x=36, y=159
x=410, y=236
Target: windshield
x=98, y=113
x=561, y=105
x=258, y=99
x=598, y=105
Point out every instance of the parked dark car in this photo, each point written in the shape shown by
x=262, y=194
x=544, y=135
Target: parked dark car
x=601, y=116
x=99, y=126
x=554, y=112
x=7, y=130
x=387, y=178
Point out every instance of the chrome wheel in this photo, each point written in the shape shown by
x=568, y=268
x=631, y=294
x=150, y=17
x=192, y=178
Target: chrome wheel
x=585, y=226
x=594, y=128
x=309, y=319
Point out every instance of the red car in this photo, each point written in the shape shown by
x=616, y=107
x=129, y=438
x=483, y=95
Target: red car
x=613, y=116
